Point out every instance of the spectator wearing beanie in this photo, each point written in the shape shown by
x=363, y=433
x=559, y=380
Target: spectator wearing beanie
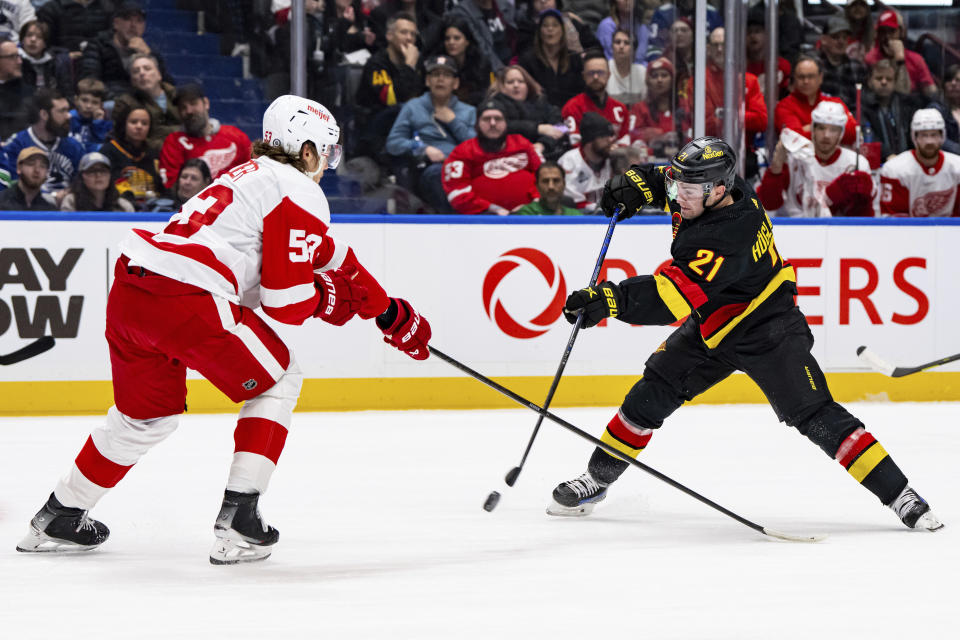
x=587, y=167
x=493, y=172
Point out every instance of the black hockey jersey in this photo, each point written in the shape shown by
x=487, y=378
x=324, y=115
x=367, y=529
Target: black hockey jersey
x=726, y=270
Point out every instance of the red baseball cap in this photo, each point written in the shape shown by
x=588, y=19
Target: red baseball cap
x=888, y=19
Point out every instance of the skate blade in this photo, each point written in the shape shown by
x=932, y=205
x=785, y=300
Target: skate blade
x=928, y=522
x=236, y=551
x=35, y=542
x=579, y=511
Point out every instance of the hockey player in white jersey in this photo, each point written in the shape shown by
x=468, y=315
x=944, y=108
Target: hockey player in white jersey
x=801, y=171
x=922, y=182
x=185, y=297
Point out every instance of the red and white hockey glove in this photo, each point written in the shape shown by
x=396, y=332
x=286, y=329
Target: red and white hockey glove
x=405, y=329
x=340, y=295
x=851, y=195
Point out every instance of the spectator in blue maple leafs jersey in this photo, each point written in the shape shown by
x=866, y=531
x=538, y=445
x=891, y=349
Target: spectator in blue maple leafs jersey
x=49, y=114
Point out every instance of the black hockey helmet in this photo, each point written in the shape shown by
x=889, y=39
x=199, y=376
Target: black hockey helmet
x=706, y=160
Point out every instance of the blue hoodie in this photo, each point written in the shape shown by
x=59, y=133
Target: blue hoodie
x=416, y=118
x=91, y=134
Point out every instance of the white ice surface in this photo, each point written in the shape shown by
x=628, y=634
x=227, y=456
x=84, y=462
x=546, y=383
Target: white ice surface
x=383, y=535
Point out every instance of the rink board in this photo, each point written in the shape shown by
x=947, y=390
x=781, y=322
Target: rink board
x=492, y=289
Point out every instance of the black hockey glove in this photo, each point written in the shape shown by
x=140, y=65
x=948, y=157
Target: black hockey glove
x=604, y=300
x=631, y=189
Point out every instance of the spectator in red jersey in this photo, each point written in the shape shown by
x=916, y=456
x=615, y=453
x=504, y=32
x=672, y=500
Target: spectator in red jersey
x=550, y=61
x=793, y=112
x=756, y=45
x=662, y=120
x=596, y=72
x=890, y=35
x=494, y=172
x=755, y=114
x=221, y=146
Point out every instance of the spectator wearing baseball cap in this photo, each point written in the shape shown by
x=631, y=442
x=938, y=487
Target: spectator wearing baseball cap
x=33, y=164
x=913, y=75
x=587, y=167
x=426, y=131
x=92, y=189
x=221, y=146
x=841, y=73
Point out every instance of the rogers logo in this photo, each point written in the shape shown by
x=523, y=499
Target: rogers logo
x=494, y=305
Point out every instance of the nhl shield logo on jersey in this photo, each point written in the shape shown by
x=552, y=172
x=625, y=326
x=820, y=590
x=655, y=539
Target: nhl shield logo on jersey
x=250, y=384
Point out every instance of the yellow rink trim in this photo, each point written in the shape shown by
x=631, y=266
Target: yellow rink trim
x=59, y=397
x=867, y=461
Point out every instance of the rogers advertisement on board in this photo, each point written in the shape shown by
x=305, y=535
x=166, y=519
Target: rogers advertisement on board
x=494, y=292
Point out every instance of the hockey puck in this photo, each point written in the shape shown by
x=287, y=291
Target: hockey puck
x=491, y=502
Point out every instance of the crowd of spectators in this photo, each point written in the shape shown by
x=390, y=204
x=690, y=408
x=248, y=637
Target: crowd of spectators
x=91, y=120
x=486, y=106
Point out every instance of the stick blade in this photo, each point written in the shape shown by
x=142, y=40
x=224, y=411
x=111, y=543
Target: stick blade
x=511, y=477
x=35, y=348
x=874, y=361
x=789, y=537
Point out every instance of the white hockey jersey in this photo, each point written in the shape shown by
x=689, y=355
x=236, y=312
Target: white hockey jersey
x=911, y=189
x=584, y=185
x=254, y=236
x=800, y=190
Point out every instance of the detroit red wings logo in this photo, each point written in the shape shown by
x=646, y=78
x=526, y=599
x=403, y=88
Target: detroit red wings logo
x=934, y=203
x=219, y=159
x=502, y=167
x=493, y=303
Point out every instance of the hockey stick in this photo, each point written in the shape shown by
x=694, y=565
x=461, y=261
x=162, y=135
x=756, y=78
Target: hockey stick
x=35, y=348
x=596, y=441
x=885, y=367
x=491, y=502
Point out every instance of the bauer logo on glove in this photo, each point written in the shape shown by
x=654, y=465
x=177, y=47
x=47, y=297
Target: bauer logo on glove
x=596, y=303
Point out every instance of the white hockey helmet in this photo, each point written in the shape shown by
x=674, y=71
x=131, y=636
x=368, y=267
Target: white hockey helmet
x=290, y=121
x=927, y=120
x=829, y=112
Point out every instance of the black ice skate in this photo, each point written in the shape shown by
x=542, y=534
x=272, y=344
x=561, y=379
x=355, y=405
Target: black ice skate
x=914, y=511
x=61, y=529
x=242, y=535
x=577, y=497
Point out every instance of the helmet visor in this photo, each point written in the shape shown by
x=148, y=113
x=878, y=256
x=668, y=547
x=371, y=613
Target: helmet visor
x=689, y=190
x=334, y=153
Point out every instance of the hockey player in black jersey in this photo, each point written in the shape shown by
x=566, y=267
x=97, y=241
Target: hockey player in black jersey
x=738, y=292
